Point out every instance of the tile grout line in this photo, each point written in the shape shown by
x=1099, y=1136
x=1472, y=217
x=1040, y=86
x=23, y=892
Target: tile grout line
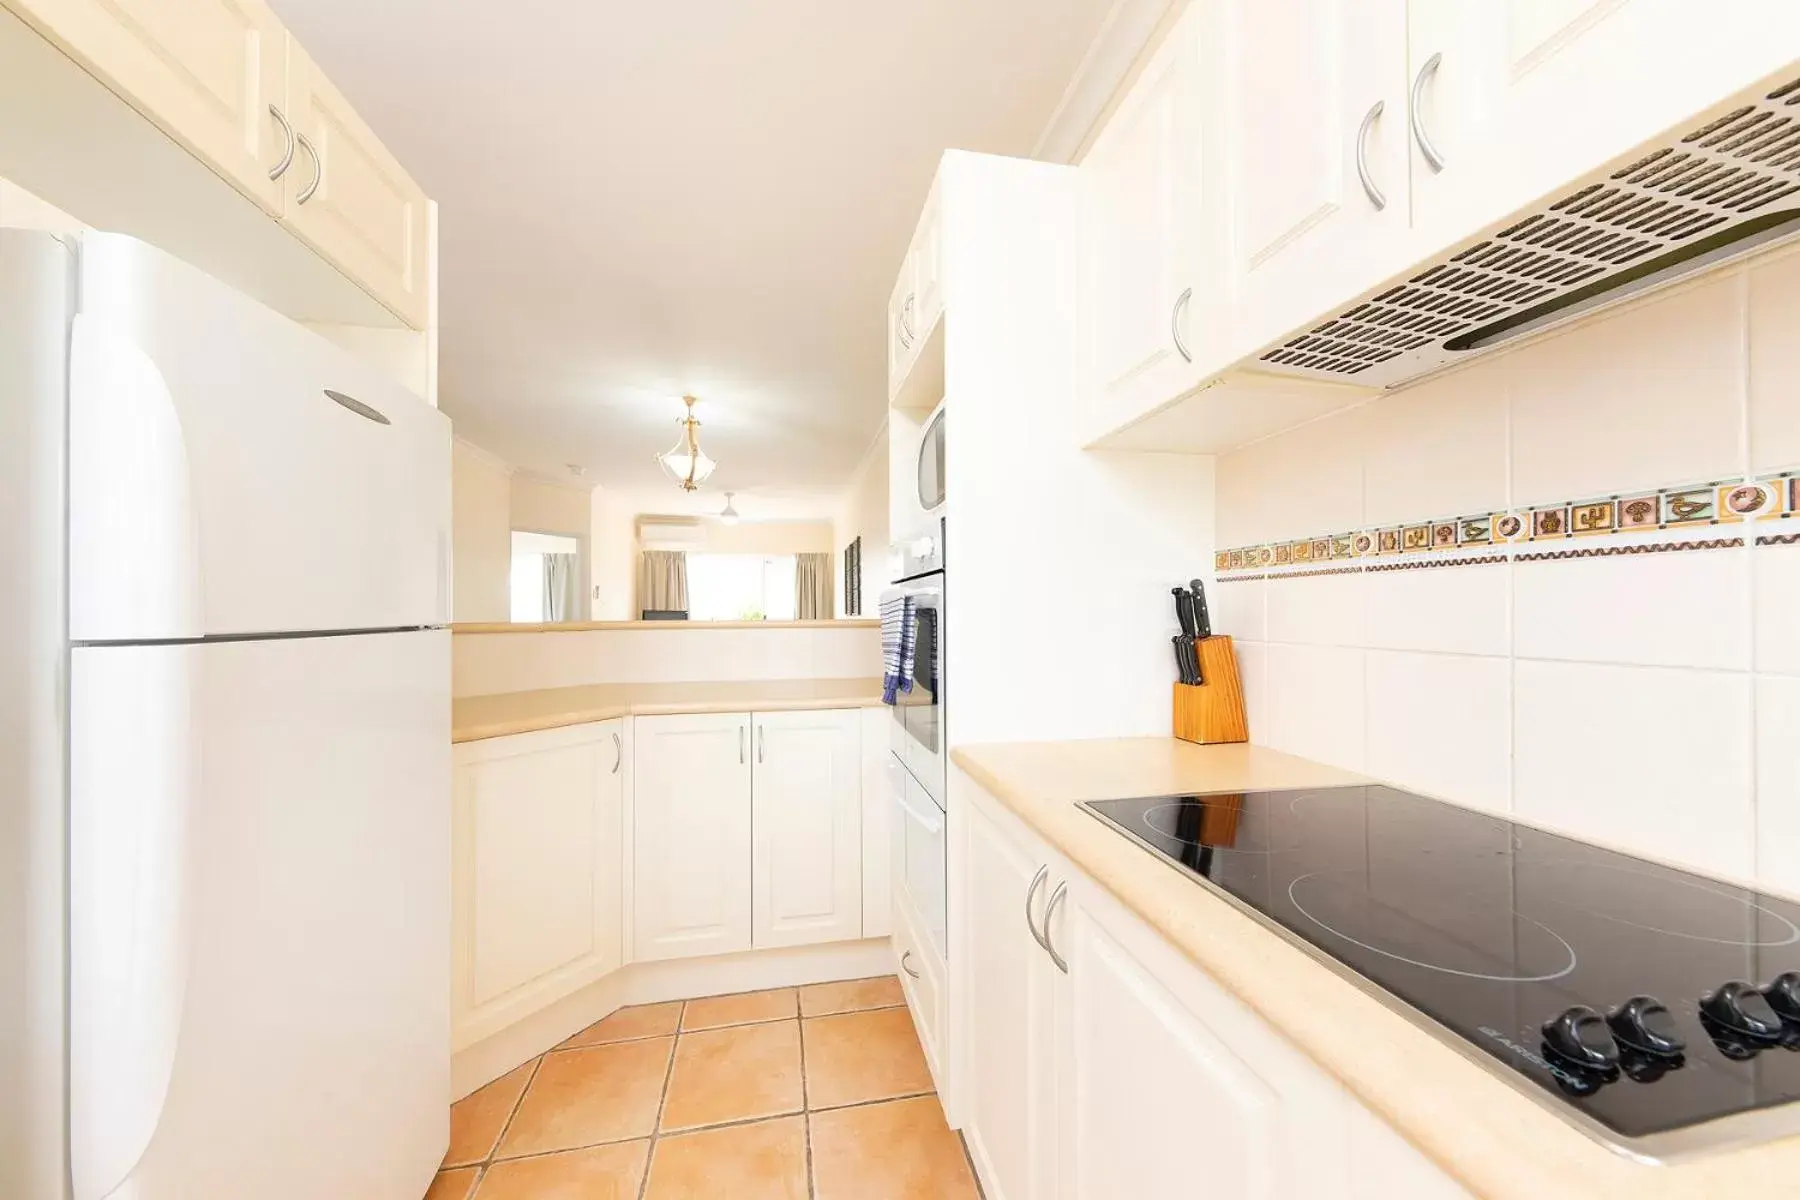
x=812, y=1186
x=662, y=1102
x=511, y=1115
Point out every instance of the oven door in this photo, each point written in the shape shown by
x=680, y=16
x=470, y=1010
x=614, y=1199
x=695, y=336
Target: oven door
x=919, y=853
x=919, y=733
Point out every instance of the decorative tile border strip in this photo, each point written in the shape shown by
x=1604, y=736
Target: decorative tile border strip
x=1688, y=506
x=1635, y=548
x=1779, y=539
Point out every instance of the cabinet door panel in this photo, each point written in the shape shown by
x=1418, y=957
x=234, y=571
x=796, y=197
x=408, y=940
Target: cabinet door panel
x=807, y=864
x=1008, y=1064
x=1150, y=1095
x=1302, y=75
x=365, y=214
x=1531, y=94
x=205, y=71
x=539, y=861
x=691, y=834
x=1141, y=221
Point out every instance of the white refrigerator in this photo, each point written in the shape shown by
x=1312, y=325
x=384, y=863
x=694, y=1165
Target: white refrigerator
x=236, y=629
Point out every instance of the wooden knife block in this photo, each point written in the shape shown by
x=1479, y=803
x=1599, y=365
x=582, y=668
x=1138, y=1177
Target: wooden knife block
x=1214, y=711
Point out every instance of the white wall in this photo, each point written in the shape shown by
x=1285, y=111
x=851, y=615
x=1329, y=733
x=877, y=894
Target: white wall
x=1060, y=560
x=1625, y=690
x=863, y=512
x=484, y=663
x=481, y=532
x=612, y=556
x=764, y=537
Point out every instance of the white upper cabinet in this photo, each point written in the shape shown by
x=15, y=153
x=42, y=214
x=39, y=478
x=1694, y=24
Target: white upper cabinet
x=691, y=836
x=918, y=298
x=807, y=820
x=1516, y=98
x=206, y=73
x=1150, y=309
x=1315, y=106
x=537, y=848
x=351, y=200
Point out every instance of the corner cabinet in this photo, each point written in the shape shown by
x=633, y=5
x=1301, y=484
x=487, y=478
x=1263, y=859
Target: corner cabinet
x=1098, y=1061
x=537, y=844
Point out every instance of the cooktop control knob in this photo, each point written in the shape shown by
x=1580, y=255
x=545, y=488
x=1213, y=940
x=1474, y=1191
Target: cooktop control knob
x=1783, y=995
x=1580, y=1035
x=1741, y=1008
x=1645, y=1023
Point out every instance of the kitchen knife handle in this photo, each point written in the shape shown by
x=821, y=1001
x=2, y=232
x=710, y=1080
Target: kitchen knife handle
x=1202, y=617
x=1184, y=610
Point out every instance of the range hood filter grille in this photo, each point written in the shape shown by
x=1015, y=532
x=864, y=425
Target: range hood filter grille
x=1689, y=204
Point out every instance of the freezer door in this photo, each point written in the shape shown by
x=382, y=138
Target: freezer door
x=233, y=472
x=260, y=918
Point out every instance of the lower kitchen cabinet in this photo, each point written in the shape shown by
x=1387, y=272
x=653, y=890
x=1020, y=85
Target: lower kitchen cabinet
x=1099, y=1062
x=806, y=828
x=537, y=839
x=691, y=836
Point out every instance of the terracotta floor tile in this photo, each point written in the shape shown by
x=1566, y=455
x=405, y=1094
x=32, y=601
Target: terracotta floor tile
x=863, y=1056
x=763, y=1161
x=613, y=1172
x=715, y=1012
x=823, y=999
x=595, y=1094
x=901, y=1150
x=628, y=1024
x=735, y=1074
x=453, y=1185
x=477, y=1119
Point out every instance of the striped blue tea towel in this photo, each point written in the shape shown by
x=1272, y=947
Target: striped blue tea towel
x=896, y=648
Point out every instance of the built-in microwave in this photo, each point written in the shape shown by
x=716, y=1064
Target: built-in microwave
x=922, y=503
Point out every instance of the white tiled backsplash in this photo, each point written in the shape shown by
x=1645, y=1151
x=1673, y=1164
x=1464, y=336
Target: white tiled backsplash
x=1650, y=700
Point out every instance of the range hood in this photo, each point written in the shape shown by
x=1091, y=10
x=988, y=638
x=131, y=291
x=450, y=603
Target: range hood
x=1716, y=193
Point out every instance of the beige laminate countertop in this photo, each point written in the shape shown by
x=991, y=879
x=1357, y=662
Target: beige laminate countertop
x=475, y=717
x=1490, y=1137
x=666, y=626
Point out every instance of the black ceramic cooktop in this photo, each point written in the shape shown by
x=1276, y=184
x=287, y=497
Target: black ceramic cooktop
x=1605, y=980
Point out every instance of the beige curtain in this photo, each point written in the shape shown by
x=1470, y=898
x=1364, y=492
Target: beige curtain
x=662, y=581
x=813, y=599
x=560, y=596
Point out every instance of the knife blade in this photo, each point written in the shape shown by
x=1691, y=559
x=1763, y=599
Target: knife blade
x=1184, y=610
x=1202, y=618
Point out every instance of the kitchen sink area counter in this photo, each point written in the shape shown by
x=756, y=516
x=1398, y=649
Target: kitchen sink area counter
x=1475, y=1129
x=474, y=718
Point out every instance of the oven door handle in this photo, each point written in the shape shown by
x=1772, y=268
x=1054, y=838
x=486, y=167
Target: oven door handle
x=933, y=824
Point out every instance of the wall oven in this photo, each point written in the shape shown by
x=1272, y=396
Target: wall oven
x=913, y=615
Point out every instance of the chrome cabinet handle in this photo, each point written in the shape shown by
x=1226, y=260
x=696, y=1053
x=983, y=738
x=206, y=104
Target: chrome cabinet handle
x=1037, y=881
x=1426, y=147
x=1362, y=157
x=618, y=754
x=900, y=328
x=761, y=736
x=1175, y=322
x=318, y=175
x=287, y=153
x=740, y=745
x=906, y=968
x=1056, y=897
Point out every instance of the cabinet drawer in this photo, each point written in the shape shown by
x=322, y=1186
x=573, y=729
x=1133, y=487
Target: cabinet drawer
x=922, y=979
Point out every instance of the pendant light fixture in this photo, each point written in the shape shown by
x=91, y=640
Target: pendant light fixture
x=687, y=464
x=730, y=514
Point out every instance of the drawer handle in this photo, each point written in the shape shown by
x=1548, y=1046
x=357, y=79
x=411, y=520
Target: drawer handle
x=287, y=153
x=932, y=824
x=1037, y=881
x=618, y=753
x=357, y=406
x=907, y=969
x=318, y=175
x=1362, y=157
x=1056, y=898
x=1425, y=75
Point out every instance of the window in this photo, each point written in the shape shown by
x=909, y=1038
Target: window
x=740, y=587
x=543, y=577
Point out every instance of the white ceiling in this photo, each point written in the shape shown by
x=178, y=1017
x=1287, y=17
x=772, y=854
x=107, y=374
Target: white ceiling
x=643, y=199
